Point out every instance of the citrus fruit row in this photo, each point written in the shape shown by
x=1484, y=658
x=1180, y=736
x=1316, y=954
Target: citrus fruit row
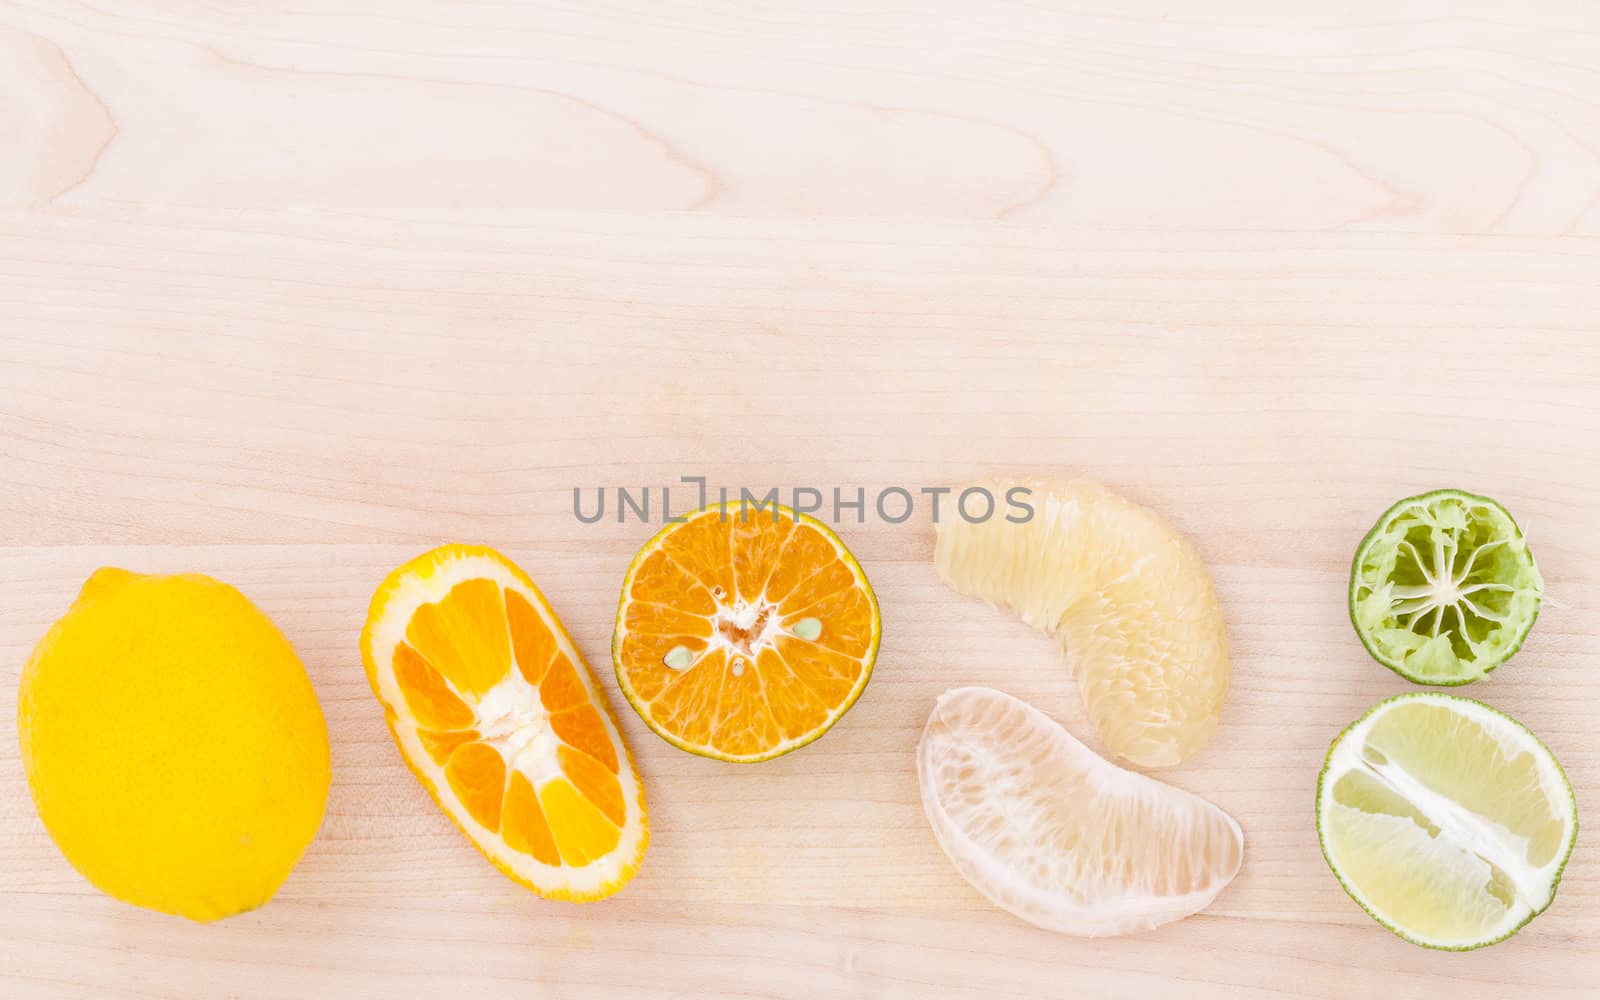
x=743, y=633
x=176, y=752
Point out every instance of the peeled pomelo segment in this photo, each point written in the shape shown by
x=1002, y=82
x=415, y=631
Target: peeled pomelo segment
x=1127, y=597
x=1055, y=834
x=1446, y=820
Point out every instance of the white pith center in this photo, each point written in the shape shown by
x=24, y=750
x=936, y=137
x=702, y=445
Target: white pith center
x=1442, y=587
x=744, y=629
x=512, y=719
x=1445, y=591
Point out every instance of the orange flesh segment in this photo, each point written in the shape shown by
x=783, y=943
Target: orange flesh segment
x=755, y=544
x=831, y=579
x=582, y=831
x=686, y=707
x=524, y=827
x=464, y=636
x=582, y=729
x=658, y=619
x=646, y=650
x=477, y=774
x=531, y=639
x=662, y=581
x=806, y=708
x=744, y=722
x=441, y=745
x=806, y=553
x=831, y=675
x=433, y=705
x=849, y=617
x=597, y=783
x=701, y=548
x=686, y=593
x=561, y=688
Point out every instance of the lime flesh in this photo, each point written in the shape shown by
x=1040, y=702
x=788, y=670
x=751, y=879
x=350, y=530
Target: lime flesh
x=1444, y=589
x=1447, y=821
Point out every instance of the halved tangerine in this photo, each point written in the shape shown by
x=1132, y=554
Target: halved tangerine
x=498, y=716
x=744, y=631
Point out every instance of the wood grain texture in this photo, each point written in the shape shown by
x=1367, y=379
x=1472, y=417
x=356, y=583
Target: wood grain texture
x=291, y=292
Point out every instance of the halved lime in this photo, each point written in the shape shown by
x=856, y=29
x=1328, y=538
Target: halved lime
x=1447, y=821
x=1444, y=589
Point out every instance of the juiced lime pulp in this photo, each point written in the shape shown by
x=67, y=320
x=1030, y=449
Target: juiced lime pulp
x=1444, y=588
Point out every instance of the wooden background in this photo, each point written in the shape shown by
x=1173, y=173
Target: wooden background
x=292, y=291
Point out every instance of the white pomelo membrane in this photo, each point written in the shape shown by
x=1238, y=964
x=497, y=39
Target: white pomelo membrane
x=1053, y=833
x=1126, y=596
x=1448, y=821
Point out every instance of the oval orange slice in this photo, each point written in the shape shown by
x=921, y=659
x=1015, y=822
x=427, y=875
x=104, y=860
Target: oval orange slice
x=743, y=632
x=498, y=716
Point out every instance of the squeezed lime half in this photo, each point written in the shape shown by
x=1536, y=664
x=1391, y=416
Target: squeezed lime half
x=1446, y=820
x=1444, y=589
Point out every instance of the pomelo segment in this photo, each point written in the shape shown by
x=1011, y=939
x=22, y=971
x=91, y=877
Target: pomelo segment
x=1126, y=596
x=1055, y=834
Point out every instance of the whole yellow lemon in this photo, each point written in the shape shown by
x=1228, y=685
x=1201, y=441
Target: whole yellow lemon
x=173, y=743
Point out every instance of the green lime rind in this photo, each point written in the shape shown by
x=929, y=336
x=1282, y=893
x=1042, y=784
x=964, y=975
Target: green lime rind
x=1322, y=840
x=1459, y=629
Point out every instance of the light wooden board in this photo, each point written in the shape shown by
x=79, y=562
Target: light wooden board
x=291, y=292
